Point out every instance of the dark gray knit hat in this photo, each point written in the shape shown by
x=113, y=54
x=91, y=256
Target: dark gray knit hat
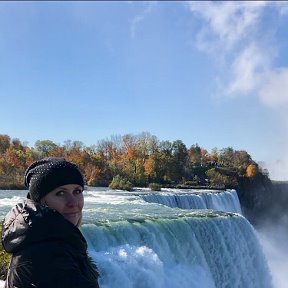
x=43, y=176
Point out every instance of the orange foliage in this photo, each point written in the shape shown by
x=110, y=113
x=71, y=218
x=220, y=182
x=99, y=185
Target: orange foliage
x=251, y=170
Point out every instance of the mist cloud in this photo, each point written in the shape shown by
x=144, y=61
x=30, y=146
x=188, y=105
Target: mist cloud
x=274, y=238
x=275, y=91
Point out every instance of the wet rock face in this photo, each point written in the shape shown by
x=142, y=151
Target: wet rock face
x=263, y=199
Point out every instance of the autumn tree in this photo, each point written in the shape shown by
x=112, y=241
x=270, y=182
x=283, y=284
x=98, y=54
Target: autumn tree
x=13, y=163
x=98, y=172
x=251, y=170
x=4, y=143
x=141, y=159
x=145, y=146
x=214, y=155
x=241, y=161
x=127, y=157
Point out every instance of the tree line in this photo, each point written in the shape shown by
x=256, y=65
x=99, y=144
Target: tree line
x=140, y=159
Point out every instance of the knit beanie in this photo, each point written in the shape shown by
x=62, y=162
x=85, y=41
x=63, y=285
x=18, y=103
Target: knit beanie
x=43, y=176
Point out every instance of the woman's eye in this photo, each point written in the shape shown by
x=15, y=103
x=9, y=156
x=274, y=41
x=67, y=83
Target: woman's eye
x=78, y=191
x=60, y=193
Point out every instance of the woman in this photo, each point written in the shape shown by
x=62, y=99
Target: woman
x=48, y=249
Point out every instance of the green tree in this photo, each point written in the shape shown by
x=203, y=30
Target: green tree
x=180, y=160
x=226, y=157
x=215, y=177
x=165, y=161
x=121, y=183
x=44, y=147
x=214, y=155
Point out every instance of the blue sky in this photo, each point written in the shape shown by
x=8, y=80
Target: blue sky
x=211, y=73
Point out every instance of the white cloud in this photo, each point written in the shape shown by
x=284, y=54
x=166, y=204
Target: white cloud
x=282, y=6
x=136, y=21
x=234, y=34
x=248, y=70
x=229, y=21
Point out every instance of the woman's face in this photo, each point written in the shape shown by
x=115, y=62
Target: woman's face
x=68, y=200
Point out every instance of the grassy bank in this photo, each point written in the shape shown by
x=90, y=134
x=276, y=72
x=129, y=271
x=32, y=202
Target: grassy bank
x=4, y=260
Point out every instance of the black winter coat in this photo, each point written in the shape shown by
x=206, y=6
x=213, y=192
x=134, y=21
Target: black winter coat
x=47, y=250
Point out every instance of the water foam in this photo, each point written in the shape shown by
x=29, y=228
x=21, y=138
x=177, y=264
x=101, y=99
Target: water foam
x=218, y=251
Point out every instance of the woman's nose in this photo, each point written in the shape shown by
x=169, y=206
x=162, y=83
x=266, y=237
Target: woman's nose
x=72, y=200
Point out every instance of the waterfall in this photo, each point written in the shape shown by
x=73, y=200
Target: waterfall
x=137, y=243
x=196, y=199
x=201, y=249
